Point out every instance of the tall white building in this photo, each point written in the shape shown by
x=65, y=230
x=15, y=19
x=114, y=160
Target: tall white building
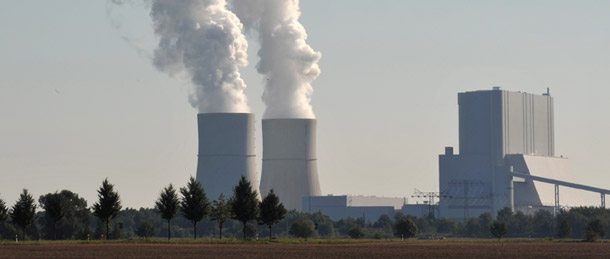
x=502, y=135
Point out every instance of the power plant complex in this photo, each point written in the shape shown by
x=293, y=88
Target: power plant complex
x=506, y=159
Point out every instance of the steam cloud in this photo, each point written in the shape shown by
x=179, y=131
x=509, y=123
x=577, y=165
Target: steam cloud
x=202, y=40
x=287, y=61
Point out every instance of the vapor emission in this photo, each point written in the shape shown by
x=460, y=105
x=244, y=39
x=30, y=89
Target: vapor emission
x=287, y=61
x=203, y=41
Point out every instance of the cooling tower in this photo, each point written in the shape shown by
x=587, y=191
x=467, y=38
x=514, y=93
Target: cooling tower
x=226, y=152
x=290, y=164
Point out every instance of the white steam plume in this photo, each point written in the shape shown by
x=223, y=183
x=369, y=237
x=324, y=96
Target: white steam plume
x=287, y=61
x=202, y=40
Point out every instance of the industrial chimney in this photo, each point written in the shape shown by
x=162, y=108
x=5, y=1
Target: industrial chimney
x=226, y=152
x=290, y=164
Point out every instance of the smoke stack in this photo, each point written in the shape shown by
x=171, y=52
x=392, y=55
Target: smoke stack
x=226, y=152
x=290, y=165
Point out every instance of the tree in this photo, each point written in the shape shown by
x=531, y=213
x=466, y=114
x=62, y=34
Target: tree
x=194, y=204
x=167, y=205
x=384, y=222
x=485, y=220
x=23, y=212
x=108, y=206
x=445, y=225
x=594, y=230
x=520, y=224
x=505, y=215
x=52, y=203
x=472, y=227
x=271, y=211
x=564, y=229
x=220, y=212
x=405, y=228
x=146, y=230
x=244, y=203
x=355, y=232
x=302, y=228
x=543, y=223
x=3, y=211
x=75, y=224
x=498, y=229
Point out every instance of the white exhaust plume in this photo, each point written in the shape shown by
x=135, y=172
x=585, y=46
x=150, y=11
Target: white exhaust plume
x=287, y=61
x=202, y=40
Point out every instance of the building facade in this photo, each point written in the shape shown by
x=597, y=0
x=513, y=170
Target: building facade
x=500, y=132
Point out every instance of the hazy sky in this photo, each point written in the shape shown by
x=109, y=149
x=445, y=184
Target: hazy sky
x=79, y=103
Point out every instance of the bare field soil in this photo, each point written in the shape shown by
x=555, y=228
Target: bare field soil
x=417, y=249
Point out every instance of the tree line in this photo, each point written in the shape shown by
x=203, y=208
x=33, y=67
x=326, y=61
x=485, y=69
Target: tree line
x=187, y=212
x=66, y=215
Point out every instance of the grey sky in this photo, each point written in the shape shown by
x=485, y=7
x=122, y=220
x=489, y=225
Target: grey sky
x=79, y=104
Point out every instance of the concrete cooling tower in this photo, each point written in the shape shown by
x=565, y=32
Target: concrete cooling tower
x=226, y=152
x=290, y=164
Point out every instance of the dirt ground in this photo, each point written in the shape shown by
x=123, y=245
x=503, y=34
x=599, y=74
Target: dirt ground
x=427, y=249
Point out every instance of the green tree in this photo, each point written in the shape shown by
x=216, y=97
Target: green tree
x=485, y=220
x=564, y=229
x=520, y=225
x=405, y=228
x=445, y=225
x=271, y=211
x=75, y=224
x=194, y=204
x=146, y=230
x=355, y=232
x=472, y=227
x=498, y=229
x=167, y=205
x=384, y=222
x=3, y=211
x=505, y=215
x=53, y=204
x=23, y=212
x=244, y=203
x=108, y=206
x=220, y=212
x=594, y=230
x=302, y=228
x=543, y=223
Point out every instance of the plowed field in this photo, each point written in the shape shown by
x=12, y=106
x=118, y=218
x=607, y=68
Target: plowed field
x=424, y=249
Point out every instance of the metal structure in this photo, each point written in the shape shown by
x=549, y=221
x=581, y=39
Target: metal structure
x=290, y=165
x=472, y=194
x=556, y=208
x=558, y=183
x=226, y=152
x=431, y=196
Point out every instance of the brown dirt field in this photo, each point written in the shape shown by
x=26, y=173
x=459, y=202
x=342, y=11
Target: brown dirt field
x=431, y=249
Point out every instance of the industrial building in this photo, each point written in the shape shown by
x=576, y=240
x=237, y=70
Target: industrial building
x=290, y=164
x=343, y=206
x=506, y=156
x=226, y=152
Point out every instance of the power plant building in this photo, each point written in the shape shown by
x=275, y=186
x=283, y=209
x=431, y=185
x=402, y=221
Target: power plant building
x=506, y=156
x=356, y=206
x=290, y=165
x=226, y=152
